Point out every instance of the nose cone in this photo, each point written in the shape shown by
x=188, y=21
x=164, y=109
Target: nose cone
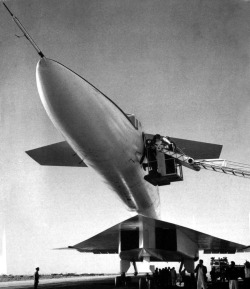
x=60, y=91
x=50, y=78
x=76, y=108
x=70, y=101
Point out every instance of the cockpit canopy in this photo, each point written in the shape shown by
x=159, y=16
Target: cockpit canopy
x=135, y=122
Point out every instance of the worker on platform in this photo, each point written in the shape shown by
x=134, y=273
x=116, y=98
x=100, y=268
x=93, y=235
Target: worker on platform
x=151, y=155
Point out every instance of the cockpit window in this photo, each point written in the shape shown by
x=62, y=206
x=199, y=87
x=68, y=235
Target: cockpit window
x=135, y=122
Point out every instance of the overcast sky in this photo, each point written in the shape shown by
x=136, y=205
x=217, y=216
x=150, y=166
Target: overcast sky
x=182, y=67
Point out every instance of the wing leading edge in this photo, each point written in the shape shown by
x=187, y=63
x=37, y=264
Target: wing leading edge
x=58, y=154
x=108, y=240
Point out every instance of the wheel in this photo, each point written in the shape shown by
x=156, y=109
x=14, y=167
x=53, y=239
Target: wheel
x=142, y=283
x=118, y=281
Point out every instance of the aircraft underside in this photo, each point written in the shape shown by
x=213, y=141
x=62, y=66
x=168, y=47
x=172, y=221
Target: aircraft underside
x=141, y=239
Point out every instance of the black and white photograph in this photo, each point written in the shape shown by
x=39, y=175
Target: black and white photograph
x=124, y=144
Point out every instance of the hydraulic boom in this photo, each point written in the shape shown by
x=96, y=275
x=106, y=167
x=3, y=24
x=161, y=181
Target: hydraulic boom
x=166, y=146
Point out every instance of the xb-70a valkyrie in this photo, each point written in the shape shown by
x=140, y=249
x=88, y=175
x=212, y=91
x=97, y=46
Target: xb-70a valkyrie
x=133, y=163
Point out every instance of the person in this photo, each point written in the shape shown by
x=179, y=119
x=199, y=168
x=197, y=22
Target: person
x=182, y=276
x=201, y=277
x=168, y=143
x=156, y=139
x=156, y=277
x=36, y=278
x=213, y=275
x=232, y=274
x=169, y=279
x=223, y=274
x=173, y=276
x=247, y=275
x=151, y=156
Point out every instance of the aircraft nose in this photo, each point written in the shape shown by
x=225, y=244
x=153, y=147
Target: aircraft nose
x=55, y=84
x=75, y=107
x=64, y=94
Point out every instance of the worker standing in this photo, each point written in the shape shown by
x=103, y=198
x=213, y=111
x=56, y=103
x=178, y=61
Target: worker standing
x=36, y=278
x=247, y=275
x=201, y=277
x=233, y=276
x=173, y=276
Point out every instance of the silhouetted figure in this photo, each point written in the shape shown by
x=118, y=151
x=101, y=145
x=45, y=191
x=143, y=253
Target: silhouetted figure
x=201, y=277
x=182, y=276
x=161, y=277
x=167, y=277
x=156, y=277
x=247, y=275
x=223, y=275
x=213, y=275
x=36, y=278
x=173, y=276
x=232, y=274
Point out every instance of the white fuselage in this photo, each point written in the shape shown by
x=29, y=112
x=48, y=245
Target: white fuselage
x=99, y=132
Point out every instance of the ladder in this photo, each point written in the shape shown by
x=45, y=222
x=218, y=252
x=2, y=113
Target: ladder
x=216, y=165
x=178, y=155
x=226, y=167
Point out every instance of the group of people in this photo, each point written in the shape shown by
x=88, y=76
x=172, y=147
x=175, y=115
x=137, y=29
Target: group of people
x=231, y=273
x=165, y=277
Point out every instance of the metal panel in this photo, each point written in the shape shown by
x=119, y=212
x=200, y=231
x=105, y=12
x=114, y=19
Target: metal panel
x=58, y=154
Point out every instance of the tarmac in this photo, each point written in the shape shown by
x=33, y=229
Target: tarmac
x=101, y=282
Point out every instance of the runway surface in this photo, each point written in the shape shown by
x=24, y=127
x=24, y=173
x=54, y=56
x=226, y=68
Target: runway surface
x=101, y=282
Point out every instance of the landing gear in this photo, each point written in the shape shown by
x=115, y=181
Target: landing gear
x=135, y=267
x=122, y=280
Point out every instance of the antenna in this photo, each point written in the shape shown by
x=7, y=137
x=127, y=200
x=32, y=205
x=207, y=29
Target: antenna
x=26, y=34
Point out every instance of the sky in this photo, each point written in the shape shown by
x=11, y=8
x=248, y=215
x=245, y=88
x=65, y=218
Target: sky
x=181, y=66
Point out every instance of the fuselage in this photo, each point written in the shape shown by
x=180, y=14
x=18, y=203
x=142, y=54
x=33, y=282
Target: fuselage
x=99, y=132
